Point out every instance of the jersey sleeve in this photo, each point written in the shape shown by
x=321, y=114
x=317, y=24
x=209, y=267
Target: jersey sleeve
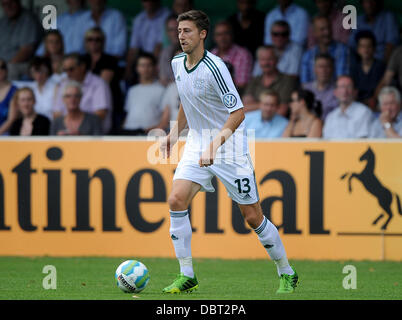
x=223, y=85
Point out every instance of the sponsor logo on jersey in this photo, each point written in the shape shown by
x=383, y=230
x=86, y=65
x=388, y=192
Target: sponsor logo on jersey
x=229, y=100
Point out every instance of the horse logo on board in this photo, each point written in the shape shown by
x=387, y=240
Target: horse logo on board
x=373, y=185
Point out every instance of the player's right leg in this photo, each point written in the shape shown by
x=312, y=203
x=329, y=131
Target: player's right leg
x=183, y=191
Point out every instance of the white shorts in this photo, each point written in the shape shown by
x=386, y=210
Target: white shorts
x=237, y=176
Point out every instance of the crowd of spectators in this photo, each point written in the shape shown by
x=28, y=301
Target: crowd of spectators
x=298, y=75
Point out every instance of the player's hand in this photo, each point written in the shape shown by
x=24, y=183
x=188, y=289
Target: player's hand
x=166, y=145
x=207, y=158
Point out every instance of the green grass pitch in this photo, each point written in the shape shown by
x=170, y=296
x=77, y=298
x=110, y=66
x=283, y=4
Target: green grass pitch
x=93, y=279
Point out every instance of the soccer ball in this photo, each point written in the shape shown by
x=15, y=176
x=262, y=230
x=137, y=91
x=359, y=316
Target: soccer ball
x=132, y=276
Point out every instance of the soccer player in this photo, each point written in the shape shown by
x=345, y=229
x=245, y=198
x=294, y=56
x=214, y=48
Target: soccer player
x=216, y=146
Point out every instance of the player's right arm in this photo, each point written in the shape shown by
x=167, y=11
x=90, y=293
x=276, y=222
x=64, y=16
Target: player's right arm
x=169, y=141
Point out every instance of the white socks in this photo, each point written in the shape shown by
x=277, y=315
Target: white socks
x=269, y=237
x=180, y=233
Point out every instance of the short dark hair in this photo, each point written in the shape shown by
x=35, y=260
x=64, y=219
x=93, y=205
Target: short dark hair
x=199, y=17
x=37, y=62
x=366, y=34
x=272, y=93
x=281, y=23
x=149, y=56
x=80, y=59
x=325, y=56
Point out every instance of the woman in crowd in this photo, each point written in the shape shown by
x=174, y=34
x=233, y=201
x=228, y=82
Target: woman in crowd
x=31, y=123
x=43, y=86
x=54, y=50
x=305, y=115
x=75, y=122
x=7, y=91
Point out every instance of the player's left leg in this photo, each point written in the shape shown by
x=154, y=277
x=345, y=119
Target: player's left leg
x=269, y=237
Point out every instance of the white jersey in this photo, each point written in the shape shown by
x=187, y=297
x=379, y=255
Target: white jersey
x=208, y=96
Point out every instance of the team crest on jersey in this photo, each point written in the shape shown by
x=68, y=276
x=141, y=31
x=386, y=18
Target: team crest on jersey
x=178, y=78
x=229, y=100
x=199, y=83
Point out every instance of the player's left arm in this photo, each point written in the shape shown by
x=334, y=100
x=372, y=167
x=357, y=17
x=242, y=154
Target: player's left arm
x=232, y=102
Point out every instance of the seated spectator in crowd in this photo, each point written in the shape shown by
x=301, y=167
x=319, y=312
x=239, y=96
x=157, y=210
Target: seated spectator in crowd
x=266, y=121
x=111, y=21
x=382, y=23
x=143, y=104
x=20, y=33
x=75, y=122
x=69, y=27
x=305, y=112
x=324, y=85
x=171, y=105
x=271, y=78
x=54, y=50
x=389, y=123
x=240, y=58
x=43, y=87
x=368, y=71
x=351, y=119
x=105, y=66
x=328, y=8
x=288, y=52
x=166, y=75
x=248, y=25
x=31, y=123
x=147, y=33
x=293, y=14
x=181, y=6
x=7, y=90
x=393, y=71
x=96, y=94
x=325, y=44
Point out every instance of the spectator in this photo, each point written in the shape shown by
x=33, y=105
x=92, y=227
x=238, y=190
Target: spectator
x=271, y=78
x=393, y=71
x=240, y=58
x=75, y=122
x=147, y=33
x=105, y=66
x=368, y=71
x=288, y=52
x=54, y=50
x=166, y=75
x=69, y=27
x=181, y=6
x=43, y=87
x=171, y=105
x=19, y=36
x=293, y=14
x=382, y=23
x=143, y=104
x=350, y=119
x=248, y=25
x=324, y=85
x=305, y=116
x=266, y=122
x=96, y=95
x=325, y=44
x=31, y=123
x=389, y=123
x=111, y=21
x=7, y=90
x=327, y=8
